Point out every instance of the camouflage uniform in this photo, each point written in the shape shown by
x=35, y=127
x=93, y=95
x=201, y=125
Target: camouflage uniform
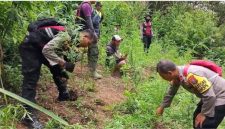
x=86, y=13
x=33, y=58
x=45, y=43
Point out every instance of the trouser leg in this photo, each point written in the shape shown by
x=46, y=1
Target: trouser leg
x=93, y=53
x=149, y=41
x=31, y=66
x=219, y=114
x=145, y=41
x=211, y=122
x=59, y=76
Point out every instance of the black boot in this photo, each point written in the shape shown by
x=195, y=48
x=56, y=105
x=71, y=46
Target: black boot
x=63, y=96
x=32, y=122
x=68, y=96
x=62, y=88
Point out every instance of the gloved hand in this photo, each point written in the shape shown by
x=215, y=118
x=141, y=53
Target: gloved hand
x=69, y=66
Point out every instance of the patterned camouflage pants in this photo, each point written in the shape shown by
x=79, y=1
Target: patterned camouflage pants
x=92, y=54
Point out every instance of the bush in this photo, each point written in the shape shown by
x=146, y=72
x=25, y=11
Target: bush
x=12, y=79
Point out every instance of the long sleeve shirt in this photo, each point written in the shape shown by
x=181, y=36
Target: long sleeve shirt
x=51, y=49
x=113, y=54
x=202, y=82
x=86, y=12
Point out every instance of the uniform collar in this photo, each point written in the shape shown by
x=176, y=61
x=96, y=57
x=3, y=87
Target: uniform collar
x=181, y=71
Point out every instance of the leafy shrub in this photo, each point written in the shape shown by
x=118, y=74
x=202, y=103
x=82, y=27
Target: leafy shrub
x=13, y=78
x=11, y=114
x=188, y=28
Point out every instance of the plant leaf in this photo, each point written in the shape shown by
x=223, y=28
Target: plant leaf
x=49, y=113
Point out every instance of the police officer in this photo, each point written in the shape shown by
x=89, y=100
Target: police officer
x=201, y=81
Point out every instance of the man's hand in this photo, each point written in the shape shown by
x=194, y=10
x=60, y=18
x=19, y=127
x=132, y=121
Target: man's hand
x=159, y=111
x=199, y=120
x=61, y=63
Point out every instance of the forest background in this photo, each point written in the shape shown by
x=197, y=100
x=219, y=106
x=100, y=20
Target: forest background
x=182, y=31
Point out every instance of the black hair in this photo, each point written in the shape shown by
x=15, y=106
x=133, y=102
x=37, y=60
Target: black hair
x=90, y=33
x=98, y=4
x=147, y=16
x=164, y=66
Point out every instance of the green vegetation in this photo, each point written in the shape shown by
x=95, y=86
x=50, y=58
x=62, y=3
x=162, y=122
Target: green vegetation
x=182, y=31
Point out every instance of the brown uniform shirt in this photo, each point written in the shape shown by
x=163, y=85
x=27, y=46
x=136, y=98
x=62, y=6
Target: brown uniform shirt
x=202, y=82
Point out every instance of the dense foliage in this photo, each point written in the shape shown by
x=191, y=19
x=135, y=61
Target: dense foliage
x=182, y=31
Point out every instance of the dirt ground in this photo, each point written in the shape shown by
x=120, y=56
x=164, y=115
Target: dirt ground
x=95, y=98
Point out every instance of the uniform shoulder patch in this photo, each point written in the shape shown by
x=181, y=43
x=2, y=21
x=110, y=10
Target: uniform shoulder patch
x=192, y=80
x=200, y=83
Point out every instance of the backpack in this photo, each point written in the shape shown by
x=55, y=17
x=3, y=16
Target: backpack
x=79, y=14
x=42, y=31
x=204, y=63
x=34, y=26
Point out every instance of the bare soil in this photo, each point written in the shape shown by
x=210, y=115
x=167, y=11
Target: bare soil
x=95, y=98
x=159, y=125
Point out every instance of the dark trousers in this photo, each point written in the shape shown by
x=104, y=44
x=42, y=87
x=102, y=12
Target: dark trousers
x=210, y=122
x=147, y=40
x=32, y=59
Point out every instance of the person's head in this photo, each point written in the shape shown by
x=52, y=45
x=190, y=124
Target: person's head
x=98, y=6
x=92, y=1
x=86, y=38
x=147, y=18
x=116, y=40
x=167, y=70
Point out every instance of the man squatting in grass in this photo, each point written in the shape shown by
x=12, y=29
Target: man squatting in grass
x=204, y=83
x=44, y=44
x=114, y=59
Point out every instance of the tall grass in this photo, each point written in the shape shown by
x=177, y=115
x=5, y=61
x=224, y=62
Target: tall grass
x=139, y=109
